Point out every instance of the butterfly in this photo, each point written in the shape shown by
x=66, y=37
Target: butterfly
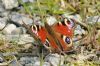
x=57, y=36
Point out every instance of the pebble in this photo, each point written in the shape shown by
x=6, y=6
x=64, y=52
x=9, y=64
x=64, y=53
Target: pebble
x=3, y=22
x=38, y=63
x=98, y=34
x=37, y=20
x=28, y=60
x=76, y=17
x=46, y=64
x=19, y=30
x=1, y=59
x=55, y=59
x=24, y=39
x=1, y=8
x=4, y=13
x=14, y=63
x=29, y=64
x=93, y=19
x=98, y=53
x=9, y=4
x=24, y=1
x=79, y=31
x=20, y=39
x=8, y=29
x=28, y=1
x=31, y=0
x=82, y=57
x=51, y=20
x=17, y=18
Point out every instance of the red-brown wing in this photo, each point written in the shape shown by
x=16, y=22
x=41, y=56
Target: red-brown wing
x=44, y=36
x=64, y=32
x=40, y=32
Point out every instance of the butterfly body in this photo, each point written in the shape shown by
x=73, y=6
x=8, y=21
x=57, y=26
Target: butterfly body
x=58, y=36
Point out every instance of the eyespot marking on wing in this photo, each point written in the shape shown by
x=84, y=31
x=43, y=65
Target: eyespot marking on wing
x=69, y=22
x=67, y=40
x=34, y=29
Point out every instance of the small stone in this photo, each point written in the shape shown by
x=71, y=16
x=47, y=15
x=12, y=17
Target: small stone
x=14, y=63
x=23, y=60
x=82, y=57
x=93, y=19
x=4, y=13
x=19, y=30
x=37, y=20
x=3, y=22
x=28, y=1
x=20, y=39
x=31, y=0
x=79, y=31
x=51, y=20
x=24, y=39
x=9, y=4
x=98, y=34
x=24, y=1
x=29, y=64
x=17, y=18
x=1, y=8
x=98, y=53
x=9, y=53
x=27, y=46
x=46, y=64
x=28, y=60
x=55, y=59
x=9, y=29
x=76, y=17
x=37, y=63
x=1, y=58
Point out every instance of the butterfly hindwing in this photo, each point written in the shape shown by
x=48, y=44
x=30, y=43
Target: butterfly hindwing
x=64, y=32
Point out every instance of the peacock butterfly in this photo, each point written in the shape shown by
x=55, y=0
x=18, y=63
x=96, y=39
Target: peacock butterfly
x=57, y=36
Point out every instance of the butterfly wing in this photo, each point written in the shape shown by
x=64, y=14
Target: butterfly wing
x=64, y=32
x=40, y=32
x=57, y=36
x=65, y=27
x=44, y=36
